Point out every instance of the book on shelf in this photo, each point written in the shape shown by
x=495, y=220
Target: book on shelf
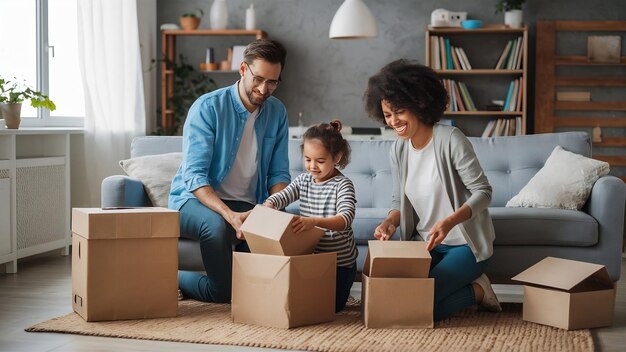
x=442, y=53
x=467, y=99
x=468, y=66
x=455, y=59
x=449, y=64
x=504, y=55
x=503, y=127
x=435, y=53
x=518, y=106
x=509, y=93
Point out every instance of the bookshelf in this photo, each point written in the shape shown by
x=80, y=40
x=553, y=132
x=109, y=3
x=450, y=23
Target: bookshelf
x=168, y=48
x=467, y=65
x=605, y=107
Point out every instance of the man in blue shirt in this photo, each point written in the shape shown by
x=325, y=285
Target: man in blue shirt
x=234, y=155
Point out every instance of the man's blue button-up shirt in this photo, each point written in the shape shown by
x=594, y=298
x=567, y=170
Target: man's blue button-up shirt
x=211, y=137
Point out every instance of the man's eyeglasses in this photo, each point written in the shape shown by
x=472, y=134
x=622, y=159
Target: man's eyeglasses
x=271, y=84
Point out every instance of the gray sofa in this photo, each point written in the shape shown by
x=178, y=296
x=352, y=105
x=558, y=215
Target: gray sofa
x=523, y=235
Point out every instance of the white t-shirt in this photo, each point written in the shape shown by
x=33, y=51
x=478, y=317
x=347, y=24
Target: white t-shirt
x=241, y=182
x=425, y=191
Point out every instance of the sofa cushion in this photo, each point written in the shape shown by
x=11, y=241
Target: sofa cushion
x=565, y=181
x=156, y=172
x=543, y=226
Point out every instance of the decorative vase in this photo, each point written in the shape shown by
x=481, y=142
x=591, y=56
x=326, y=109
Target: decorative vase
x=513, y=18
x=190, y=23
x=219, y=15
x=11, y=114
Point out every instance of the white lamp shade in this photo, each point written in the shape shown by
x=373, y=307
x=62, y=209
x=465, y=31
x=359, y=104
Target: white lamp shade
x=353, y=20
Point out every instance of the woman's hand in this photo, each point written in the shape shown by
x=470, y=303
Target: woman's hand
x=438, y=233
x=385, y=230
x=269, y=204
x=301, y=223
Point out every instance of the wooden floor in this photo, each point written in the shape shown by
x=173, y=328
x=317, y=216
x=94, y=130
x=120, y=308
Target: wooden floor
x=42, y=289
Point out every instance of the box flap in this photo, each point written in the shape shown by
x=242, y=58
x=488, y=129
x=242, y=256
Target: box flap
x=399, y=259
x=98, y=223
x=268, y=231
x=564, y=274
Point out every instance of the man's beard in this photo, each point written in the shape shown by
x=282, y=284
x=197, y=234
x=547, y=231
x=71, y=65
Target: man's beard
x=255, y=100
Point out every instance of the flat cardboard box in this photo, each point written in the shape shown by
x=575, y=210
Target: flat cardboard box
x=573, y=96
x=568, y=294
x=283, y=292
x=124, y=263
x=269, y=231
x=396, y=291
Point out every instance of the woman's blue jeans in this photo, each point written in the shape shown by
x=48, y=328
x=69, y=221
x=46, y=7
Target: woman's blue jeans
x=454, y=268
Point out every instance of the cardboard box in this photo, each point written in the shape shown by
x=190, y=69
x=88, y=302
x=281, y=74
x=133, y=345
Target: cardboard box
x=568, y=294
x=573, y=96
x=283, y=292
x=268, y=231
x=124, y=263
x=281, y=284
x=396, y=291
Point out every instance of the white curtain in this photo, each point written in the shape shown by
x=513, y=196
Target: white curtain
x=110, y=63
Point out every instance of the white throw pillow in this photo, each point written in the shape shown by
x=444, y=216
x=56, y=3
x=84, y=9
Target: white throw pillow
x=565, y=182
x=156, y=172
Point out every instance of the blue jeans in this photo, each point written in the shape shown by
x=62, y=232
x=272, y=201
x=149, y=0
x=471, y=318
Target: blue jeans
x=454, y=268
x=345, y=279
x=217, y=239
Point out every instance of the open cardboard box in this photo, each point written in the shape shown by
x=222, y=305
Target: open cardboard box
x=281, y=283
x=269, y=231
x=568, y=294
x=396, y=291
x=124, y=263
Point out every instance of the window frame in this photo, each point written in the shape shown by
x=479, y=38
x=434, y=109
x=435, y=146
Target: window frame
x=43, y=118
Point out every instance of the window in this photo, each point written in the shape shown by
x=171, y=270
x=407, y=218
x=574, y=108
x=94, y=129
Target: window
x=40, y=47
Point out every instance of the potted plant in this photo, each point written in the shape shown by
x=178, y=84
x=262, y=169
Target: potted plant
x=512, y=12
x=191, y=20
x=12, y=94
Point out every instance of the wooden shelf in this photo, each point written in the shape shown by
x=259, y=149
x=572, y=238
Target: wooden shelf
x=590, y=105
x=578, y=121
x=218, y=32
x=487, y=29
x=565, y=81
x=480, y=72
x=480, y=90
x=220, y=71
x=599, y=80
x=168, y=47
x=483, y=113
x=583, y=61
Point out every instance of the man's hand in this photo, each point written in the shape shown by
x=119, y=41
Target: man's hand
x=235, y=220
x=301, y=223
x=385, y=230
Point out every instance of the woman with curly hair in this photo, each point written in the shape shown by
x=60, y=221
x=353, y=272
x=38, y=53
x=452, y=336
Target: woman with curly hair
x=440, y=192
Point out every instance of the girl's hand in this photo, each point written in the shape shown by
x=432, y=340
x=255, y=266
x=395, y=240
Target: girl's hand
x=384, y=231
x=438, y=233
x=301, y=223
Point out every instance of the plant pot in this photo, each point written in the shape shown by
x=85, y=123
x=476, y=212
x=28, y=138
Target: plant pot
x=513, y=18
x=11, y=114
x=190, y=23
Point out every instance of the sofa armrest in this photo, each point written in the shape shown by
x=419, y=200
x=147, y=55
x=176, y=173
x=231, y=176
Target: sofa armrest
x=606, y=204
x=123, y=191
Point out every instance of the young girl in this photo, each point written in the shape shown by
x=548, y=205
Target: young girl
x=327, y=200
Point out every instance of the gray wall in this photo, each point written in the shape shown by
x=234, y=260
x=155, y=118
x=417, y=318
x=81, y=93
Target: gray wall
x=325, y=78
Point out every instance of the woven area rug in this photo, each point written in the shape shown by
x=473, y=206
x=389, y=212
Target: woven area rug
x=211, y=323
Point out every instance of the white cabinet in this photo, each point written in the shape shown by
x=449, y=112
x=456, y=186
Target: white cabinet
x=34, y=192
